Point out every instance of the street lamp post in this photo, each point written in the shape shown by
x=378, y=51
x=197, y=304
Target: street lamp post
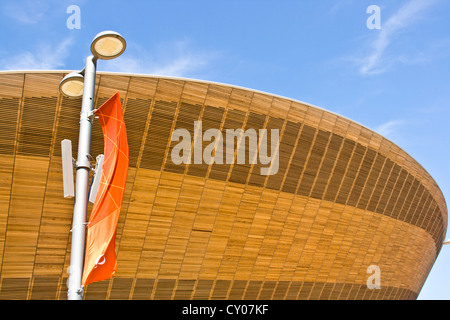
x=83, y=166
x=106, y=45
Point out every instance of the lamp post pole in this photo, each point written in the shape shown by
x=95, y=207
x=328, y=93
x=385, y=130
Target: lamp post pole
x=83, y=167
x=106, y=45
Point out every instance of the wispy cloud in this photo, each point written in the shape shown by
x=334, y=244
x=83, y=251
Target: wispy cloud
x=377, y=61
x=388, y=129
x=26, y=12
x=45, y=57
x=338, y=5
x=176, y=59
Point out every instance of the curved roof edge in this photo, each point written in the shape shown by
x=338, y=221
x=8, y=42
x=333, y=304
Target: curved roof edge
x=248, y=89
x=200, y=81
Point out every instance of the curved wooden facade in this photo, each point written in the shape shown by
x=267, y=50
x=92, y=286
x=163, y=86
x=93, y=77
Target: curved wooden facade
x=344, y=198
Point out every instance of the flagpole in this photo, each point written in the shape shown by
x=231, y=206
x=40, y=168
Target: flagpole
x=83, y=167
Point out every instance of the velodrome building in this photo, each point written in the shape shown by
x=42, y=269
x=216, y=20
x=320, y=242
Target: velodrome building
x=341, y=201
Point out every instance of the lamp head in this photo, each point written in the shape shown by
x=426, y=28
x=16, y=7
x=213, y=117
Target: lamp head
x=72, y=85
x=108, y=45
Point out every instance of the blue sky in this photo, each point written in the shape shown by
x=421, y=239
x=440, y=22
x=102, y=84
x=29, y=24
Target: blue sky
x=394, y=80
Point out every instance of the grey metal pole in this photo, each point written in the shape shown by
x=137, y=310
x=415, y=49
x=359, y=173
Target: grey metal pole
x=83, y=167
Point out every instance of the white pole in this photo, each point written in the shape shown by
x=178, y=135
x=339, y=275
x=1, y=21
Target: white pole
x=83, y=167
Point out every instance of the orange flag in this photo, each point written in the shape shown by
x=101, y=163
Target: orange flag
x=100, y=261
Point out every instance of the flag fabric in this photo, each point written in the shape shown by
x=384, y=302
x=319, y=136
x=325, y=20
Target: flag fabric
x=100, y=261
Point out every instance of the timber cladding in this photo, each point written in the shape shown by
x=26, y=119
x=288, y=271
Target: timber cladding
x=343, y=198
